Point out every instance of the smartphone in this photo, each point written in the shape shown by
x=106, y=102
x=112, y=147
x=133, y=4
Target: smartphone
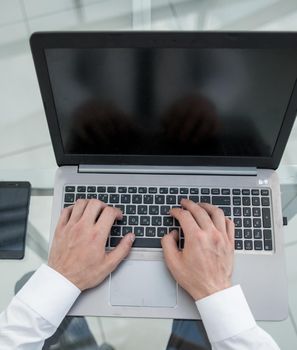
x=14, y=210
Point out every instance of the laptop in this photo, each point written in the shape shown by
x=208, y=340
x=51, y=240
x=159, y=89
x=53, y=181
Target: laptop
x=140, y=120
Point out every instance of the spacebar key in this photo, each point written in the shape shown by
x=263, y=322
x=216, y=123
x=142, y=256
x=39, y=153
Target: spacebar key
x=139, y=242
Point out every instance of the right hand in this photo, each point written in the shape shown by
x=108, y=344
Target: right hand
x=205, y=264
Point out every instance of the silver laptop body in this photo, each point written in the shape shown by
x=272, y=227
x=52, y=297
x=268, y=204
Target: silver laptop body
x=142, y=286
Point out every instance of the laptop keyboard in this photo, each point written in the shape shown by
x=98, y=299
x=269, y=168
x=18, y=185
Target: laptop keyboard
x=146, y=212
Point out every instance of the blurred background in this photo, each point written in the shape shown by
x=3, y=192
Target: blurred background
x=25, y=147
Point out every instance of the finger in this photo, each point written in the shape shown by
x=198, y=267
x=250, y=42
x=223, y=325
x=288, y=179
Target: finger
x=170, y=249
x=201, y=217
x=186, y=220
x=93, y=209
x=230, y=230
x=106, y=220
x=217, y=216
x=121, y=251
x=78, y=210
x=64, y=217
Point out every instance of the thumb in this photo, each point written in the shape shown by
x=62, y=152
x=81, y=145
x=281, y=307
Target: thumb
x=121, y=251
x=169, y=245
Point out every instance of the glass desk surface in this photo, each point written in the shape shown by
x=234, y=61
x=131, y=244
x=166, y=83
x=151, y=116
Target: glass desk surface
x=121, y=332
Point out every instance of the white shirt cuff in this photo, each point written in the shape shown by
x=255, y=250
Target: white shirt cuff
x=225, y=314
x=49, y=294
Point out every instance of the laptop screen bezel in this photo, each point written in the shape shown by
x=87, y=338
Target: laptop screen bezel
x=262, y=40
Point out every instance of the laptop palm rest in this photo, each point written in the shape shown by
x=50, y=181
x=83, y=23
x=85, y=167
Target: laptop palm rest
x=151, y=285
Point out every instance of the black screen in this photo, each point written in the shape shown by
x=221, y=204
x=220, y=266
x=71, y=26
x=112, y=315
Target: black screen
x=171, y=101
x=14, y=201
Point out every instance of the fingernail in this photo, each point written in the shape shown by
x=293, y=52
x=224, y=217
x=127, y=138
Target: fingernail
x=131, y=236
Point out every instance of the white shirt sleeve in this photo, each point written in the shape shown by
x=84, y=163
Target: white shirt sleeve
x=230, y=324
x=37, y=310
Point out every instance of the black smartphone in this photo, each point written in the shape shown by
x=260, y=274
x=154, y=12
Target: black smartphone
x=14, y=210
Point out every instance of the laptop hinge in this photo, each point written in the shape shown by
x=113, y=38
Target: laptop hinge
x=173, y=170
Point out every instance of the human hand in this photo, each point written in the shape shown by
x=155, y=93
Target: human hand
x=205, y=264
x=78, y=248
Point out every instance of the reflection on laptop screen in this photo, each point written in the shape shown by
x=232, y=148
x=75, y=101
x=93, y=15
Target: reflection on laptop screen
x=171, y=101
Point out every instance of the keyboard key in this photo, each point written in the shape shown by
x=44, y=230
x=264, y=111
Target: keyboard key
x=247, y=211
x=161, y=231
x=80, y=196
x=182, y=243
x=257, y=222
x=248, y=245
x=247, y=233
x=126, y=230
x=194, y=191
x=205, y=199
x=154, y=210
x=131, y=209
x=114, y=198
x=195, y=199
x=150, y=231
x=226, y=210
x=183, y=190
x=256, y=212
x=67, y=205
x=142, y=209
x=258, y=245
x=237, y=201
x=111, y=189
x=165, y=209
x=103, y=197
x=137, y=198
x=180, y=198
x=160, y=199
x=245, y=192
x=215, y=191
x=142, y=190
x=121, y=207
x=264, y=193
x=205, y=191
x=267, y=234
x=125, y=198
x=132, y=190
x=238, y=233
x=101, y=189
x=255, y=201
x=247, y=222
x=133, y=220
x=225, y=191
x=237, y=222
x=91, y=189
x=147, y=243
x=173, y=190
x=238, y=245
x=69, y=197
x=167, y=221
x=69, y=188
x=156, y=220
x=246, y=201
x=115, y=231
x=153, y=190
x=145, y=220
x=91, y=196
x=139, y=231
x=255, y=192
x=221, y=200
x=163, y=190
x=236, y=191
x=81, y=188
x=170, y=199
x=265, y=201
x=266, y=217
x=122, y=189
x=257, y=233
x=268, y=245
x=123, y=221
x=236, y=211
x=148, y=199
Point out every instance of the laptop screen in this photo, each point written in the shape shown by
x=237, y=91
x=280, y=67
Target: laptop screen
x=171, y=101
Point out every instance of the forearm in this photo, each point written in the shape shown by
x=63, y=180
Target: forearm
x=230, y=324
x=37, y=310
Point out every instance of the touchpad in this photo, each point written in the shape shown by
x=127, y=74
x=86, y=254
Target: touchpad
x=143, y=283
